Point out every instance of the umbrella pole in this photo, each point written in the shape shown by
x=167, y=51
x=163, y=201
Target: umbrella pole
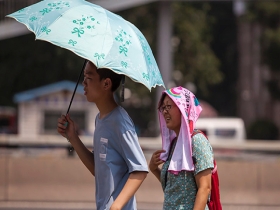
x=71, y=149
x=76, y=86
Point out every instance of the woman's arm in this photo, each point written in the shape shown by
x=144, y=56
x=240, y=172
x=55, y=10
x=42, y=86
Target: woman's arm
x=155, y=162
x=203, y=182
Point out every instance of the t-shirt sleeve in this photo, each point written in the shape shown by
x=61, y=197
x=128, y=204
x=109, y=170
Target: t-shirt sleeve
x=132, y=152
x=202, y=153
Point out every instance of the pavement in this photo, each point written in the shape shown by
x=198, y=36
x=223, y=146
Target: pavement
x=49, y=179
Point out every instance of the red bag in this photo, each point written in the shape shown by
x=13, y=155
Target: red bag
x=214, y=203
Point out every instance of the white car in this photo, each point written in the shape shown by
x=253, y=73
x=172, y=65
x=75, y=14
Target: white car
x=222, y=129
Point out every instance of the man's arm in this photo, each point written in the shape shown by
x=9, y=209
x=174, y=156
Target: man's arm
x=132, y=184
x=86, y=156
x=67, y=129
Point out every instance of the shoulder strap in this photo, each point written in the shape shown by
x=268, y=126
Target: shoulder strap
x=196, y=131
x=171, y=149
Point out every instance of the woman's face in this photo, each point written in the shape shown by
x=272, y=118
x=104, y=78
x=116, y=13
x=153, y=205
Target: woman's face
x=172, y=114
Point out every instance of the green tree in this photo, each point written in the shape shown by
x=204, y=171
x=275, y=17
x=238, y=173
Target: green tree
x=193, y=55
x=224, y=44
x=267, y=14
x=204, y=41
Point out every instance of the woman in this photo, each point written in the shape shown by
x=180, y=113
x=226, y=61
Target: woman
x=188, y=160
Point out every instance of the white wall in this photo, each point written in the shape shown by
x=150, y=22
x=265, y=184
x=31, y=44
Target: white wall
x=28, y=120
x=31, y=113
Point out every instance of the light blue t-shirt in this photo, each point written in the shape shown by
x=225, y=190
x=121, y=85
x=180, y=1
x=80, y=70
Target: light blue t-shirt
x=117, y=153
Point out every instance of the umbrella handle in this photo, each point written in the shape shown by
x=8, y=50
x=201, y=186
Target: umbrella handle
x=77, y=83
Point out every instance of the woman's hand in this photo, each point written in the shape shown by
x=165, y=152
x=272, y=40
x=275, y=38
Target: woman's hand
x=155, y=160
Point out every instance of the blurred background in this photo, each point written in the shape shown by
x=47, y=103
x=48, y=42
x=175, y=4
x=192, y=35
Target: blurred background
x=226, y=52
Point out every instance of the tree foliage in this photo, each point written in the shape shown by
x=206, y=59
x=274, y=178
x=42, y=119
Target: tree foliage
x=267, y=14
x=192, y=37
x=193, y=55
x=204, y=48
x=263, y=129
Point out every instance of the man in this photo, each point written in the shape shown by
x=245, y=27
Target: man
x=117, y=161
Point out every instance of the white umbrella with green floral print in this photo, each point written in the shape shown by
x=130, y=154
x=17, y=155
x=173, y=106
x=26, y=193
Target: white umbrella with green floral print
x=93, y=33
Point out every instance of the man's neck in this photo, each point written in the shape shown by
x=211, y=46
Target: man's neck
x=106, y=106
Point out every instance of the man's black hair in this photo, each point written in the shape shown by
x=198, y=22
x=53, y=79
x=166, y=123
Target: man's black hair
x=114, y=77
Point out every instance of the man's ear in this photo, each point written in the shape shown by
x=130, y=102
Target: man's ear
x=107, y=83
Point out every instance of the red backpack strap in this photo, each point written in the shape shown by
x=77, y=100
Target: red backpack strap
x=196, y=131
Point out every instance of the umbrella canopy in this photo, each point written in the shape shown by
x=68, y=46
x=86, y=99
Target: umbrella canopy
x=93, y=33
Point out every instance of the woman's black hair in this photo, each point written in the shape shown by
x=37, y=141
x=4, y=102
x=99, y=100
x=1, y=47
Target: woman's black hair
x=161, y=100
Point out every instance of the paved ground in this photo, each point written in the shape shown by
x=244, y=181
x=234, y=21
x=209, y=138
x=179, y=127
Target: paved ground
x=66, y=205
x=47, y=179
x=91, y=206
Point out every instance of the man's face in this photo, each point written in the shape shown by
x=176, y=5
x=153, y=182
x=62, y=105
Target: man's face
x=92, y=84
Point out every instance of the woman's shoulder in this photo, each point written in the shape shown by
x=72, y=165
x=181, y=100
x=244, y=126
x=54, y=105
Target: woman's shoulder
x=197, y=136
x=200, y=140
x=202, y=152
